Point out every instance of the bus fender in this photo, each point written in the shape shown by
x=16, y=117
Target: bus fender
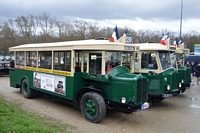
x=82, y=91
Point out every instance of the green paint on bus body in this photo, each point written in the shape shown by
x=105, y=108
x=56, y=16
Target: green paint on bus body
x=157, y=83
x=185, y=74
x=117, y=84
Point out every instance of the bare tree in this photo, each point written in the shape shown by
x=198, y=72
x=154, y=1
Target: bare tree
x=93, y=29
x=65, y=30
x=81, y=29
x=24, y=25
x=106, y=32
x=34, y=23
x=47, y=25
x=8, y=35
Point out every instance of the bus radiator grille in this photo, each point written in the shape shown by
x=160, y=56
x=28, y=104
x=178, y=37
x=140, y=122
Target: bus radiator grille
x=141, y=91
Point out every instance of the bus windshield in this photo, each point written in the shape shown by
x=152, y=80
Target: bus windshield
x=164, y=57
x=116, y=58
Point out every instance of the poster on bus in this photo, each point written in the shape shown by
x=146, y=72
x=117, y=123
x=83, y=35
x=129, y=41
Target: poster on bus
x=37, y=80
x=60, y=84
x=49, y=82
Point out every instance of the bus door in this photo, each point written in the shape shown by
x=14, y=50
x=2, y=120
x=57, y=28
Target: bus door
x=78, y=57
x=149, y=68
x=95, y=63
x=92, y=62
x=136, y=61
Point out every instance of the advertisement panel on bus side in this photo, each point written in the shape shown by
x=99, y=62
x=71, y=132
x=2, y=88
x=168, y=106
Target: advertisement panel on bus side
x=49, y=82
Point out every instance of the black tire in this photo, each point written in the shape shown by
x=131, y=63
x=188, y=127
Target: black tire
x=93, y=107
x=26, y=91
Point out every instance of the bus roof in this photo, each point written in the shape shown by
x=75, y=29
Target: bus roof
x=181, y=49
x=77, y=45
x=149, y=46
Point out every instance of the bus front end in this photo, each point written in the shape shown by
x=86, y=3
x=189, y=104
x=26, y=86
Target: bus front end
x=184, y=77
x=129, y=91
x=171, y=82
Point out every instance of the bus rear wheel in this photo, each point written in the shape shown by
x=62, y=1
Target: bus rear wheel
x=27, y=92
x=93, y=107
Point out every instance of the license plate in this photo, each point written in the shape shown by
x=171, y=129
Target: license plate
x=145, y=105
x=167, y=95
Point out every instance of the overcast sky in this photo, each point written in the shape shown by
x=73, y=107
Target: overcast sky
x=136, y=14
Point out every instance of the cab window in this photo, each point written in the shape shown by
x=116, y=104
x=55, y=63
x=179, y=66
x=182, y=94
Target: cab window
x=148, y=61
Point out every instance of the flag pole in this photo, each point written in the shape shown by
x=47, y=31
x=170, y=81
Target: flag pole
x=181, y=18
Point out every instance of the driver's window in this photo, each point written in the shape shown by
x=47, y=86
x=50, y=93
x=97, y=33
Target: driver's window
x=113, y=59
x=126, y=59
x=165, y=59
x=148, y=61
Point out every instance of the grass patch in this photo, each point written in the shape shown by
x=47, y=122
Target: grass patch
x=15, y=120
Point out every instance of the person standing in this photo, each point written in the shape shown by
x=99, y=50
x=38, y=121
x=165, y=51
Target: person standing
x=188, y=64
x=197, y=73
x=192, y=68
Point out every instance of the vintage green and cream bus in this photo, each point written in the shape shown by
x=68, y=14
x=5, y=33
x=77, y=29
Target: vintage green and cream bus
x=184, y=72
x=92, y=75
x=153, y=61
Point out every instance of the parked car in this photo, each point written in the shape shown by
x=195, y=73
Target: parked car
x=4, y=67
x=193, y=57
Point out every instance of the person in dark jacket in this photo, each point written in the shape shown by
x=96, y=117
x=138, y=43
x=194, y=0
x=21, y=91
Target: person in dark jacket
x=192, y=68
x=197, y=72
x=188, y=64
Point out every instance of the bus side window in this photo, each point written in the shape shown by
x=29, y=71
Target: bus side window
x=45, y=59
x=20, y=58
x=31, y=58
x=62, y=60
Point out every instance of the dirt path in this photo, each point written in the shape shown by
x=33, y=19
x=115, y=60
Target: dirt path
x=171, y=115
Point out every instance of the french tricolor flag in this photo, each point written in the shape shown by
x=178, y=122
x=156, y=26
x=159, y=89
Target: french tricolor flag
x=176, y=42
x=180, y=41
x=163, y=40
x=115, y=35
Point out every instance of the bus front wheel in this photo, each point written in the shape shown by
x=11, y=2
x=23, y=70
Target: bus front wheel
x=27, y=92
x=93, y=107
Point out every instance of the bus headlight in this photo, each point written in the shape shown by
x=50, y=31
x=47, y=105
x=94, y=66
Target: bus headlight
x=165, y=79
x=168, y=87
x=180, y=84
x=182, y=81
x=123, y=99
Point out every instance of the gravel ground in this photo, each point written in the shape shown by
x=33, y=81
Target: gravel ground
x=178, y=114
